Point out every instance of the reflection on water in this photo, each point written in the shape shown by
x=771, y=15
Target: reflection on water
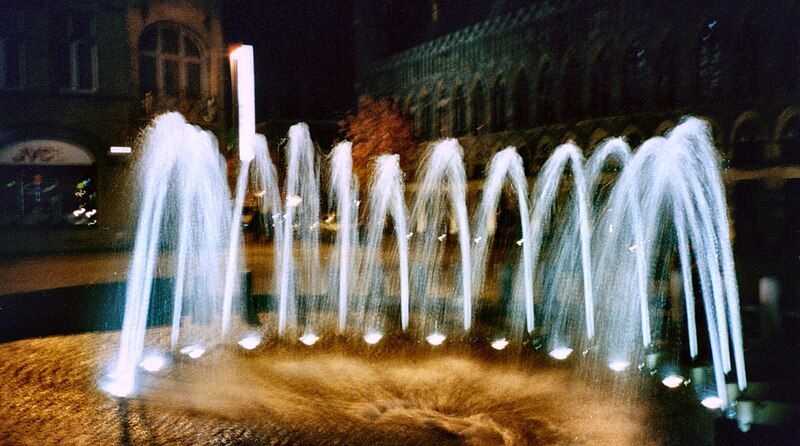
x=335, y=397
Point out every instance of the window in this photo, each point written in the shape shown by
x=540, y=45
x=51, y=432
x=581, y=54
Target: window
x=790, y=140
x=601, y=85
x=11, y=51
x=710, y=73
x=499, y=105
x=425, y=116
x=634, y=76
x=545, y=112
x=80, y=54
x=666, y=74
x=748, y=144
x=521, y=102
x=459, y=112
x=170, y=62
x=572, y=90
x=477, y=108
x=442, y=118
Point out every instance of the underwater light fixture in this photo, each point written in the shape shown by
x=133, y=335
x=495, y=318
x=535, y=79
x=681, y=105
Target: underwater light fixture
x=436, y=339
x=309, y=339
x=618, y=366
x=561, y=353
x=712, y=402
x=672, y=381
x=500, y=344
x=373, y=338
x=193, y=351
x=250, y=341
x=119, y=388
x=293, y=201
x=153, y=362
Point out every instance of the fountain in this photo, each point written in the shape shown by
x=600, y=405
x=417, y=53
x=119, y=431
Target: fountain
x=505, y=163
x=386, y=199
x=184, y=207
x=666, y=199
x=594, y=248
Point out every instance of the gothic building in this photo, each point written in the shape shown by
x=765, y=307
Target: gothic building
x=79, y=77
x=537, y=73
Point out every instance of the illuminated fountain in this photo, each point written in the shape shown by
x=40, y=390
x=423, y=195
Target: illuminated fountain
x=583, y=284
x=184, y=206
x=386, y=199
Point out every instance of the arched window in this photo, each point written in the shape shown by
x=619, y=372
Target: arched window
x=747, y=60
x=572, y=90
x=477, y=108
x=601, y=84
x=634, y=79
x=171, y=62
x=459, y=112
x=545, y=111
x=521, y=101
x=499, y=105
x=790, y=140
x=425, y=116
x=748, y=143
x=709, y=62
x=75, y=52
x=442, y=116
x=633, y=136
x=666, y=74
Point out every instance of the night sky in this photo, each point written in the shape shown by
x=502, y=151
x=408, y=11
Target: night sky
x=303, y=55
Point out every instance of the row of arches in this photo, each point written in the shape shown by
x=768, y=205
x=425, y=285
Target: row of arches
x=754, y=142
x=751, y=142
x=611, y=80
x=746, y=142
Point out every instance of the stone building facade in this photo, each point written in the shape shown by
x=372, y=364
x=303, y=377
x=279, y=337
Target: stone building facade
x=78, y=77
x=537, y=73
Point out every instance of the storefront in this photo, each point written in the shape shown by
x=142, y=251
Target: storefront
x=47, y=183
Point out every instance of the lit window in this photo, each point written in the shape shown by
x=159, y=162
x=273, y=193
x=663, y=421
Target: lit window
x=11, y=51
x=634, y=79
x=80, y=72
x=601, y=85
x=710, y=61
x=170, y=62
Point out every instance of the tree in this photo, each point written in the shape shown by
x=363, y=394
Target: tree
x=378, y=127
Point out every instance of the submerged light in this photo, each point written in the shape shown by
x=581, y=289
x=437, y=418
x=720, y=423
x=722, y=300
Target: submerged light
x=712, y=402
x=561, y=353
x=435, y=339
x=618, y=366
x=309, y=339
x=672, y=381
x=500, y=344
x=293, y=201
x=119, y=388
x=193, y=351
x=250, y=341
x=153, y=362
x=373, y=338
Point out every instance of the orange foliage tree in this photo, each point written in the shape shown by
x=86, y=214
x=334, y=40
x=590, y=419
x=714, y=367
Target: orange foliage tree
x=378, y=127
